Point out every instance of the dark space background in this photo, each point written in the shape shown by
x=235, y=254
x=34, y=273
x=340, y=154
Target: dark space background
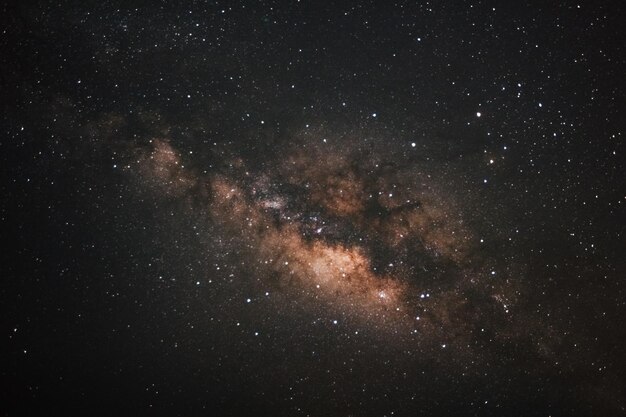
x=129, y=286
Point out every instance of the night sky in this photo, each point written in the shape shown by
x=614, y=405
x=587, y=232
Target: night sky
x=310, y=208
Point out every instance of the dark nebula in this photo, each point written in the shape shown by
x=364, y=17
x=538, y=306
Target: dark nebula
x=313, y=209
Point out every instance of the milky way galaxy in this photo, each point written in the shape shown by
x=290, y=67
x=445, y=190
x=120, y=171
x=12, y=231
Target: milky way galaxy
x=358, y=232
x=312, y=209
